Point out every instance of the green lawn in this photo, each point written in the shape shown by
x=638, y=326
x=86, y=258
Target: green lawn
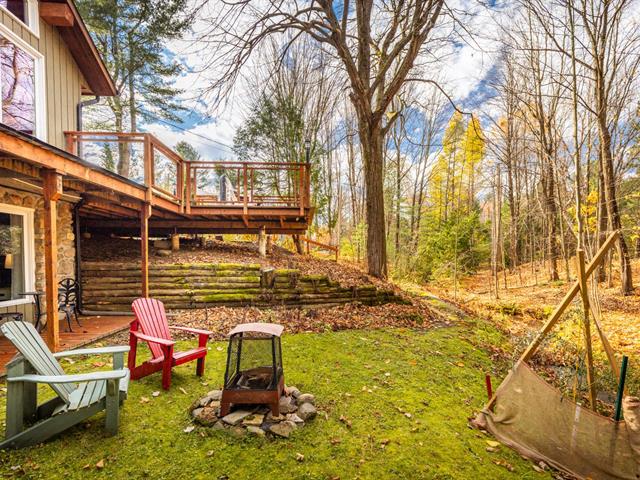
x=436, y=377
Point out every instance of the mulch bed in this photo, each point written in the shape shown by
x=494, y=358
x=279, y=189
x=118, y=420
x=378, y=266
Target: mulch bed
x=221, y=320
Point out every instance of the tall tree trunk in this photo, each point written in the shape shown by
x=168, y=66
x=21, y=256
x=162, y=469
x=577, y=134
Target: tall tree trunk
x=124, y=153
x=613, y=210
x=603, y=218
x=372, y=140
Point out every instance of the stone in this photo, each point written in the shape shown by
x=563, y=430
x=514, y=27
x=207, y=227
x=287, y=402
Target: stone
x=292, y=391
x=257, y=431
x=306, y=398
x=238, y=432
x=287, y=405
x=163, y=253
x=215, y=394
x=253, y=420
x=234, y=418
x=207, y=416
x=219, y=425
x=294, y=418
x=283, y=429
x=271, y=418
x=196, y=412
x=307, y=411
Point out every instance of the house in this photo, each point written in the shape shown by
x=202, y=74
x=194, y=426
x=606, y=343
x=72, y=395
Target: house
x=53, y=184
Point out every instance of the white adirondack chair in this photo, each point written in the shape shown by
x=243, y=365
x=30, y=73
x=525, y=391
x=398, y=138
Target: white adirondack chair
x=79, y=396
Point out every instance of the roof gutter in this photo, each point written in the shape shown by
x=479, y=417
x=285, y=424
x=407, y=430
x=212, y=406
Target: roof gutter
x=79, y=118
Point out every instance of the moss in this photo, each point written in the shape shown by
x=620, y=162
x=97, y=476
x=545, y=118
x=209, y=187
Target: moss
x=347, y=371
x=226, y=297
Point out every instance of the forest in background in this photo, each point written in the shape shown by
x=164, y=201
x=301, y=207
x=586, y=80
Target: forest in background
x=546, y=163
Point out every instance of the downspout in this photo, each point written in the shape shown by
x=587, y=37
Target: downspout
x=78, y=238
x=79, y=108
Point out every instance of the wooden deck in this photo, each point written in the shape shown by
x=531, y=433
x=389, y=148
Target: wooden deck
x=93, y=329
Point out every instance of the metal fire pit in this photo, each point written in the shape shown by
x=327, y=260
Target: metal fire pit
x=254, y=372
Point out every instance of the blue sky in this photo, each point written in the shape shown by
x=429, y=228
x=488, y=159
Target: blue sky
x=466, y=76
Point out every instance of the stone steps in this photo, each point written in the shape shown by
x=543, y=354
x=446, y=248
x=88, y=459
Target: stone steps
x=112, y=287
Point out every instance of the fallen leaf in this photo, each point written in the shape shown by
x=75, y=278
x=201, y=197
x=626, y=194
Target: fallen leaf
x=155, y=394
x=98, y=364
x=189, y=429
x=144, y=400
x=493, y=443
x=299, y=457
x=504, y=464
x=100, y=464
x=183, y=390
x=407, y=414
x=210, y=453
x=335, y=441
x=346, y=421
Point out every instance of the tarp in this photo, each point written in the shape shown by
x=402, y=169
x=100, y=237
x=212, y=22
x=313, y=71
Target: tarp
x=534, y=418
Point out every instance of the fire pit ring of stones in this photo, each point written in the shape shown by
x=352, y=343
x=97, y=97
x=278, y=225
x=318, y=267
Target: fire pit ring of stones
x=296, y=409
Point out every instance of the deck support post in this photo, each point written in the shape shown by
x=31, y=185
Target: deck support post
x=52, y=190
x=175, y=242
x=269, y=245
x=262, y=242
x=297, y=241
x=145, y=213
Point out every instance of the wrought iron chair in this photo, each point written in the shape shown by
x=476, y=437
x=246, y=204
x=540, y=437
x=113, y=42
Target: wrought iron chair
x=68, y=300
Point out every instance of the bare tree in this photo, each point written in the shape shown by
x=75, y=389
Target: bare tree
x=377, y=45
x=605, y=43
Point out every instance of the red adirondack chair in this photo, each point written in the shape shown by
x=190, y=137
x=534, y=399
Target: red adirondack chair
x=151, y=326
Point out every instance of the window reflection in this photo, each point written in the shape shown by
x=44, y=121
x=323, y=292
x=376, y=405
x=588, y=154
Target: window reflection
x=17, y=7
x=12, y=278
x=17, y=79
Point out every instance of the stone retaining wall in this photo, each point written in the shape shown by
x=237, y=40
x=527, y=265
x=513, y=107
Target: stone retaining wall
x=113, y=286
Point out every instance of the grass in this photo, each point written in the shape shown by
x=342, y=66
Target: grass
x=368, y=378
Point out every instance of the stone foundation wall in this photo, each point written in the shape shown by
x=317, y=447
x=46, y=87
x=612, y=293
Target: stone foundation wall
x=66, y=237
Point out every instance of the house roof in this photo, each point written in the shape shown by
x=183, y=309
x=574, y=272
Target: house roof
x=84, y=51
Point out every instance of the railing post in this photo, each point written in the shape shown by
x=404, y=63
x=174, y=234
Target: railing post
x=188, y=187
x=302, y=189
x=72, y=143
x=245, y=196
x=148, y=167
x=180, y=184
x=308, y=184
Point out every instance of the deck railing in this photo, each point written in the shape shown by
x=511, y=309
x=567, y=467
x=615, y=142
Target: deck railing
x=198, y=184
x=250, y=184
x=151, y=162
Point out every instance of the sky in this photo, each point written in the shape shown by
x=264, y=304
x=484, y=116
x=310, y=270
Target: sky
x=465, y=76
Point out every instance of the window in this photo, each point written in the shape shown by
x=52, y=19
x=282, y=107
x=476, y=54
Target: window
x=21, y=85
x=16, y=254
x=24, y=10
x=17, y=82
x=18, y=7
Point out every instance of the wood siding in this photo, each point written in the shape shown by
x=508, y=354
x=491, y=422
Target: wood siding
x=63, y=79
x=26, y=309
